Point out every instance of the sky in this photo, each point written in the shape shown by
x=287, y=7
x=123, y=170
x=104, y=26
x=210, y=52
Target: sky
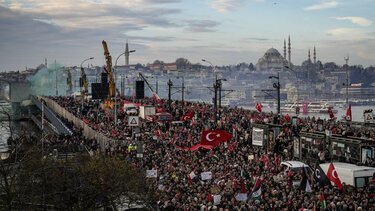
x=223, y=32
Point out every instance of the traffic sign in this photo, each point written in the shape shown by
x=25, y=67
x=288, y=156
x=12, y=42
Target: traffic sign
x=133, y=121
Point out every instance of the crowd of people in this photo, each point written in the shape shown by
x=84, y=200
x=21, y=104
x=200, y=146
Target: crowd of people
x=234, y=166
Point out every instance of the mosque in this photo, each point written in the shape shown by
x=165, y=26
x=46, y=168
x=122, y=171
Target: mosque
x=274, y=61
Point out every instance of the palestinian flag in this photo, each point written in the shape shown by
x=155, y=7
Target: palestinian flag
x=257, y=190
x=322, y=201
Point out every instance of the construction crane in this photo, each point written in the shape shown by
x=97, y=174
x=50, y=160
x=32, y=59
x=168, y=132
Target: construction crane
x=154, y=94
x=109, y=102
x=144, y=79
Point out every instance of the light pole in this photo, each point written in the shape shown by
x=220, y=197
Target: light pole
x=347, y=81
x=215, y=86
x=170, y=84
x=220, y=84
x=277, y=87
x=84, y=82
x=116, y=86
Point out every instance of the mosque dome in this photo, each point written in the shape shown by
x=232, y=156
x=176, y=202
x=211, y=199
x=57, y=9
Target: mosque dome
x=272, y=60
x=273, y=51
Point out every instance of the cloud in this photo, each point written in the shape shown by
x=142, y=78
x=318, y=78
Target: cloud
x=356, y=20
x=257, y=39
x=349, y=34
x=201, y=25
x=325, y=4
x=226, y=5
x=96, y=13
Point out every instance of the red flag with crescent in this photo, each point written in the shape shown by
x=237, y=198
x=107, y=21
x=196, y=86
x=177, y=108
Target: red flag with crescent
x=258, y=107
x=349, y=113
x=333, y=176
x=214, y=137
x=188, y=116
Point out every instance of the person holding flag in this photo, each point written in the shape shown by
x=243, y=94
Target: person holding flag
x=257, y=189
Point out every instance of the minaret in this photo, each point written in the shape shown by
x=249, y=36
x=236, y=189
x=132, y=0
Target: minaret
x=126, y=53
x=308, y=56
x=289, y=61
x=45, y=61
x=314, y=55
x=284, y=49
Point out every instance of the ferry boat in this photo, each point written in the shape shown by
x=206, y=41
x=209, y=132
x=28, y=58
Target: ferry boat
x=312, y=107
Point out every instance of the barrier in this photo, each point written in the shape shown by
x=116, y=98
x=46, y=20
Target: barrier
x=87, y=131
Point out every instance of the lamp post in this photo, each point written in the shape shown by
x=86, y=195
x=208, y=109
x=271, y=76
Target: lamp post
x=347, y=81
x=83, y=78
x=276, y=85
x=216, y=87
x=116, y=86
x=170, y=84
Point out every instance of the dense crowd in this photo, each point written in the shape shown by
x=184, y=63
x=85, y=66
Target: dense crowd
x=235, y=165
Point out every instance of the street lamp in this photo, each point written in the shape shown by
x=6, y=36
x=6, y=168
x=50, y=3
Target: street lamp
x=216, y=87
x=84, y=81
x=116, y=86
x=277, y=87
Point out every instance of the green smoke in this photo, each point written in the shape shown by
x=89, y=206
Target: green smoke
x=44, y=81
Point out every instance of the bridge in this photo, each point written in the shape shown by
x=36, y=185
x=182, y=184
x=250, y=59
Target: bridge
x=55, y=123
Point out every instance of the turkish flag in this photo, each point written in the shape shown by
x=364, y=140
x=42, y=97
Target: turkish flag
x=333, y=176
x=258, y=107
x=188, y=116
x=349, y=113
x=214, y=137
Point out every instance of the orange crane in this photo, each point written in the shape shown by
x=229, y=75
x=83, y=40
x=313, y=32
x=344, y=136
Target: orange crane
x=109, y=102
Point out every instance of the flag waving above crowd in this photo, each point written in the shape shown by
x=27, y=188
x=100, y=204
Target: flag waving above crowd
x=333, y=176
x=214, y=137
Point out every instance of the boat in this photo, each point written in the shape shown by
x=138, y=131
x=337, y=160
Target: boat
x=312, y=107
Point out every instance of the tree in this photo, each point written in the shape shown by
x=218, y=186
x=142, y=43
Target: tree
x=81, y=183
x=182, y=63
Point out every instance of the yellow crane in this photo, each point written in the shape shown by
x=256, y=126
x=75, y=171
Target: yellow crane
x=69, y=81
x=109, y=102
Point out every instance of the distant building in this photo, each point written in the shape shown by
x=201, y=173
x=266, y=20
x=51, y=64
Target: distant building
x=272, y=60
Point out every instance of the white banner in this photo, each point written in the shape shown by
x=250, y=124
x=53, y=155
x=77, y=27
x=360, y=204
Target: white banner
x=257, y=137
x=241, y=196
x=368, y=116
x=217, y=199
x=151, y=173
x=206, y=175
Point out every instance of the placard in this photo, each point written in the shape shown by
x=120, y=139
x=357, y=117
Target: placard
x=206, y=175
x=257, y=137
x=151, y=173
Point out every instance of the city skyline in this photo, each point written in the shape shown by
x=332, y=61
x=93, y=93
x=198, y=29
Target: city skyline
x=222, y=31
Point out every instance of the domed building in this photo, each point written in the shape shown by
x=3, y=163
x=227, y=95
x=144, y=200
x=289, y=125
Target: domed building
x=272, y=60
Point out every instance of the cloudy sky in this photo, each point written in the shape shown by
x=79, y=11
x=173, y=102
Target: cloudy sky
x=221, y=31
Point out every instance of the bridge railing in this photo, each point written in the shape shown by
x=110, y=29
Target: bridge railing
x=88, y=132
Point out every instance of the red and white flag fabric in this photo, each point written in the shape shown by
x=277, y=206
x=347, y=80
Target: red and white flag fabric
x=258, y=107
x=330, y=112
x=214, y=137
x=156, y=97
x=333, y=176
x=305, y=108
x=349, y=113
x=188, y=116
